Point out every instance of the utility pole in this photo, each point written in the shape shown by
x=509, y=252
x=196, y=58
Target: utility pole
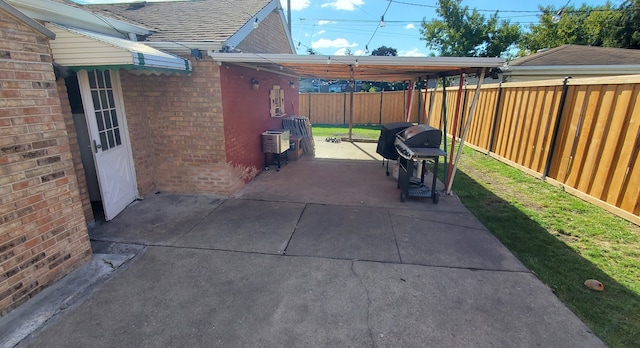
x=289, y=15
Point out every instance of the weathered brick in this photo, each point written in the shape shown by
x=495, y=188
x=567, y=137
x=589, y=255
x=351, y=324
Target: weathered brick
x=12, y=244
x=15, y=148
x=8, y=292
x=52, y=176
x=48, y=160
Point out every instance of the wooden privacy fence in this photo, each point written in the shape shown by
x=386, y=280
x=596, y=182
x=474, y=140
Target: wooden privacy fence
x=368, y=108
x=583, y=136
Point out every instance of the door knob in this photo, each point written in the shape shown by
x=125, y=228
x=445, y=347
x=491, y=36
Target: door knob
x=96, y=146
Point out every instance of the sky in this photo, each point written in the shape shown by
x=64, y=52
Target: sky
x=337, y=27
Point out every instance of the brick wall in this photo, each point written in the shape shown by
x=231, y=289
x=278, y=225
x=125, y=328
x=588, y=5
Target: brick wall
x=270, y=37
x=177, y=132
x=140, y=100
x=43, y=233
x=246, y=113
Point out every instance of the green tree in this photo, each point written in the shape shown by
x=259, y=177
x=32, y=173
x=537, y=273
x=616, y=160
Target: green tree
x=465, y=33
x=384, y=51
x=629, y=25
x=586, y=25
x=376, y=86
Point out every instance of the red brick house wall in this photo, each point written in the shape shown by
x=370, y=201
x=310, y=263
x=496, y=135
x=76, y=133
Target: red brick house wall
x=43, y=232
x=246, y=113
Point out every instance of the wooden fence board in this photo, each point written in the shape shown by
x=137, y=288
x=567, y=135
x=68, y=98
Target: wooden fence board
x=578, y=171
x=513, y=124
x=532, y=126
x=521, y=135
x=576, y=114
x=598, y=134
x=629, y=197
x=551, y=105
x=621, y=154
x=607, y=146
x=507, y=123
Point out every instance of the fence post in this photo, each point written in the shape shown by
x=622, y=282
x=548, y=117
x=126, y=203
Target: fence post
x=381, y=94
x=309, y=107
x=494, y=123
x=554, y=136
x=404, y=102
x=419, y=112
x=344, y=108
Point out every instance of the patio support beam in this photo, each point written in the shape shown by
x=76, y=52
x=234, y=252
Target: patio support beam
x=352, y=85
x=476, y=96
x=454, y=132
x=443, y=121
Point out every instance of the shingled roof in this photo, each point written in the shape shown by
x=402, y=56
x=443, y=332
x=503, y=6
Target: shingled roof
x=191, y=20
x=580, y=55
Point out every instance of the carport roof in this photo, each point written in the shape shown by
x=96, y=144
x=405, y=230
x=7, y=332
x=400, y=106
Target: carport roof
x=364, y=68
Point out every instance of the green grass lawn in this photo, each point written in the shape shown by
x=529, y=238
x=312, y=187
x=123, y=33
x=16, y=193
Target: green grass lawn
x=562, y=239
x=357, y=132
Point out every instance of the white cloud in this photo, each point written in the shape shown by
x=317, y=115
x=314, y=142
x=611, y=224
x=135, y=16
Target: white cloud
x=411, y=53
x=323, y=22
x=409, y=26
x=341, y=52
x=296, y=5
x=360, y=53
x=321, y=32
x=347, y=5
x=337, y=43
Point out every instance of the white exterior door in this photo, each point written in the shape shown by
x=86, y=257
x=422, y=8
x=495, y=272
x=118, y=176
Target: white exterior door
x=103, y=108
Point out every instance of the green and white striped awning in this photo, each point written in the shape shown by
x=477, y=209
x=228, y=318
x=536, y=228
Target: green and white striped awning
x=80, y=49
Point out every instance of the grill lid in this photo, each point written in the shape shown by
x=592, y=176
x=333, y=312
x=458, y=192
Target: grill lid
x=414, y=130
x=421, y=136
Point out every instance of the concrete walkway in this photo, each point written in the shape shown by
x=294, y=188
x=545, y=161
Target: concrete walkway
x=320, y=254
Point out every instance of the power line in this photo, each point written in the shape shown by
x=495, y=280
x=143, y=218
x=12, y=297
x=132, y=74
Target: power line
x=381, y=23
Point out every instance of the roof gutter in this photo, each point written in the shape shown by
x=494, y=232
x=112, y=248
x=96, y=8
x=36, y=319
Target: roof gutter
x=186, y=47
x=26, y=19
x=362, y=60
x=626, y=69
x=55, y=12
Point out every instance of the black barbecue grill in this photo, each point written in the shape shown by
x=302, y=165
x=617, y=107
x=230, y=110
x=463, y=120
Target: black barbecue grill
x=415, y=146
x=386, y=147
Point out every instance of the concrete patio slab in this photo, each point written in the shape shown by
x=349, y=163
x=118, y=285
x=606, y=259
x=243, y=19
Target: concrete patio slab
x=245, y=225
x=449, y=245
x=427, y=216
x=162, y=218
x=416, y=306
x=194, y=298
x=345, y=232
x=342, y=182
x=212, y=272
